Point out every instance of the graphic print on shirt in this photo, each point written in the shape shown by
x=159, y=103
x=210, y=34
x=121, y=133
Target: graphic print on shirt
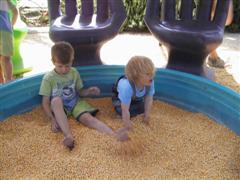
x=67, y=93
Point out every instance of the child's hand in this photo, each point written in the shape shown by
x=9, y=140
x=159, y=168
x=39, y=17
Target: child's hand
x=121, y=134
x=94, y=91
x=146, y=120
x=128, y=125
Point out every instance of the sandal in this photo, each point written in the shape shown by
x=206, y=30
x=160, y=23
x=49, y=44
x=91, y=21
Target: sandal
x=216, y=62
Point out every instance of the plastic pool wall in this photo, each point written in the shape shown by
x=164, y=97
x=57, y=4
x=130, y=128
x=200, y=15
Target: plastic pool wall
x=183, y=90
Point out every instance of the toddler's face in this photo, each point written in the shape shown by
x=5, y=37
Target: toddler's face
x=62, y=68
x=146, y=79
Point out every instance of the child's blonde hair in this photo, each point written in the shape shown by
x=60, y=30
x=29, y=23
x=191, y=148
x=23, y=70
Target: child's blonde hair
x=63, y=52
x=138, y=65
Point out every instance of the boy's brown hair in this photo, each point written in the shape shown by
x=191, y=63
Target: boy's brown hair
x=138, y=65
x=63, y=52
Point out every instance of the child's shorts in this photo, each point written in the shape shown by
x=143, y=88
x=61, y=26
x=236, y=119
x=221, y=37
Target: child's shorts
x=6, y=35
x=80, y=108
x=6, y=43
x=136, y=107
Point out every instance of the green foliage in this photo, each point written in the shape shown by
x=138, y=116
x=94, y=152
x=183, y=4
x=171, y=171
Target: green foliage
x=136, y=10
x=135, y=15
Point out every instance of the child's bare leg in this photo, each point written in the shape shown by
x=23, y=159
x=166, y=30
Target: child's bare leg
x=60, y=116
x=214, y=60
x=1, y=77
x=7, y=68
x=55, y=127
x=213, y=54
x=1, y=72
x=88, y=120
x=62, y=121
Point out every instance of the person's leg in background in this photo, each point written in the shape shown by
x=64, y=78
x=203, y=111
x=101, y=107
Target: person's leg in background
x=213, y=59
x=1, y=75
x=6, y=69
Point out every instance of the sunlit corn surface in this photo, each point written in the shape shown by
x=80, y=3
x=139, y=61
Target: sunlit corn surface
x=175, y=144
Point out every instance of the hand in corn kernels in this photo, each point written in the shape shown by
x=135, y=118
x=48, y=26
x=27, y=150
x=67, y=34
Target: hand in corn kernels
x=121, y=134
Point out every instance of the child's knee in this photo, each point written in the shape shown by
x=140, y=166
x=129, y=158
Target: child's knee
x=56, y=102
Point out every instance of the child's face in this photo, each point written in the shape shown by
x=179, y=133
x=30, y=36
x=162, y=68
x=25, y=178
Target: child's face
x=146, y=79
x=62, y=68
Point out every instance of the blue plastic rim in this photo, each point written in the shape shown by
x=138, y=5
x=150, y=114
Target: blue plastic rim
x=183, y=90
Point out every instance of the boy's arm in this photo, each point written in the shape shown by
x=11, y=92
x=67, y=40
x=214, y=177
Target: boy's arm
x=15, y=15
x=14, y=12
x=48, y=112
x=147, y=106
x=126, y=116
x=47, y=108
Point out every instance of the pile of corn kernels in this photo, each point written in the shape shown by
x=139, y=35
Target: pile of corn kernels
x=176, y=144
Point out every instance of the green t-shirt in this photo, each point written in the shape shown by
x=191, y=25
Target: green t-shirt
x=65, y=86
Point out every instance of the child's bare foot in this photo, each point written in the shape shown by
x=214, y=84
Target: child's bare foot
x=69, y=143
x=121, y=134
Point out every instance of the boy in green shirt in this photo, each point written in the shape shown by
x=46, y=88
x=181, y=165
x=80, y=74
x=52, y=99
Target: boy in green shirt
x=61, y=89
